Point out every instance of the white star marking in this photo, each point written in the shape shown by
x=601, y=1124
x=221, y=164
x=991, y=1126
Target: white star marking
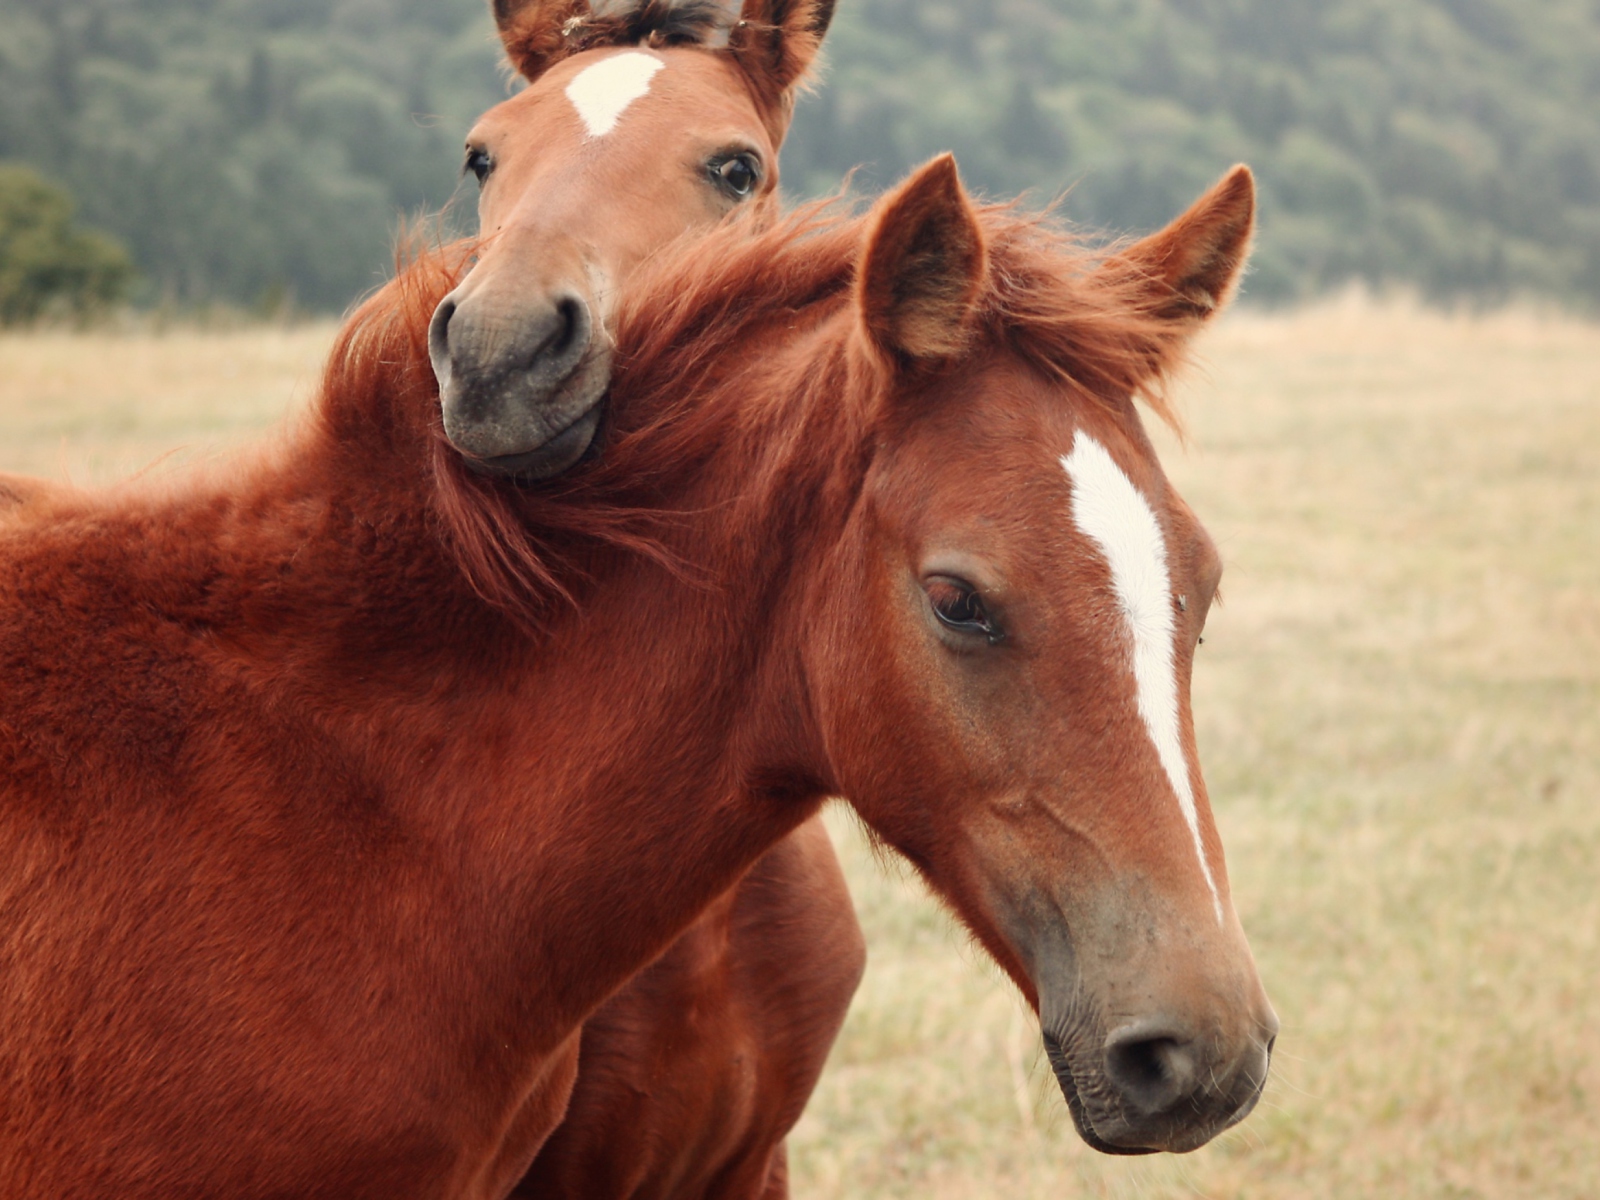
x=603, y=91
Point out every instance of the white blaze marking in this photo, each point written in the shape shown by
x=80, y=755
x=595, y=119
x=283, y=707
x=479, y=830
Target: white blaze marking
x=602, y=92
x=1108, y=509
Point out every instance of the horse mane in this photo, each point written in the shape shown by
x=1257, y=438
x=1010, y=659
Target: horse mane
x=1086, y=317
x=1083, y=317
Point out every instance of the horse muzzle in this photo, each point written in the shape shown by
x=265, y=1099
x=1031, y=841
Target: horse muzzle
x=1150, y=1085
x=520, y=387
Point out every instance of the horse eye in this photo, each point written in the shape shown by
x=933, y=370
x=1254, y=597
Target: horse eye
x=738, y=175
x=958, y=606
x=478, y=163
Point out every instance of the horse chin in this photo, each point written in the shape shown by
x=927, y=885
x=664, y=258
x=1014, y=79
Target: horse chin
x=1080, y=1116
x=556, y=456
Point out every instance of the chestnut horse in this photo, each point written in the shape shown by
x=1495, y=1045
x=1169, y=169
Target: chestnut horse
x=693, y=1074
x=635, y=127
x=315, y=861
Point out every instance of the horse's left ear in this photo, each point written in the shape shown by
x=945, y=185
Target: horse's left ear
x=534, y=32
x=776, y=41
x=1191, y=269
x=923, y=266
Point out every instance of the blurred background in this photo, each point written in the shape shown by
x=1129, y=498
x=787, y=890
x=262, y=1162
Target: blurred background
x=260, y=152
x=1395, y=443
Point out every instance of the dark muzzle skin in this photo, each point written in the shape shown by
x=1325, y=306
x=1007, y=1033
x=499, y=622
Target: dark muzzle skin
x=520, y=381
x=1152, y=1086
x=1150, y=1068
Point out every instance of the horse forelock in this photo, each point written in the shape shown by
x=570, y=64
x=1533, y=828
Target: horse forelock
x=546, y=34
x=774, y=63
x=658, y=23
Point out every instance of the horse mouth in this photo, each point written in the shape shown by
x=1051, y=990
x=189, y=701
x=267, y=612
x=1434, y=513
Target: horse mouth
x=555, y=456
x=1080, y=1116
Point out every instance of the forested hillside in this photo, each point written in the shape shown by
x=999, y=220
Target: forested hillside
x=246, y=149
x=1453, y=144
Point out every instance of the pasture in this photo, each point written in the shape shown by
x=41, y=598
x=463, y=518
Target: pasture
x=1399, y=716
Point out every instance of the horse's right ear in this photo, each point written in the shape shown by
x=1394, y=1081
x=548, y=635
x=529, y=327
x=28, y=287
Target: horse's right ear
x=776, y=41
x=1190, y=269
x=923, y=266
x=534, y=32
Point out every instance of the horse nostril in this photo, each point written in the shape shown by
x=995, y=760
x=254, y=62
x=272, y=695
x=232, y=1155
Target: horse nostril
x=1153, y=1070
x=569, y=321
x=439, y=338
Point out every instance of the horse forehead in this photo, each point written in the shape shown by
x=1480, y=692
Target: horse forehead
x=602, y=91
x=1114, y=493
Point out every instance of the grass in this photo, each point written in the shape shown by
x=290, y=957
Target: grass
x=95, y=407
x=1399, y=714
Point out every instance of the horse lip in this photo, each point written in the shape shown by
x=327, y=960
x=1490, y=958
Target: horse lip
x=1244, y=1110
x=1080, y=1116
x=1248, y=1105
x=554, y=456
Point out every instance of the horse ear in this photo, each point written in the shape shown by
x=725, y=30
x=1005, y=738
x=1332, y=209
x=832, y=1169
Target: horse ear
x=1191, y=268
x=534, y=32
x=778, y=40
x=924, y=263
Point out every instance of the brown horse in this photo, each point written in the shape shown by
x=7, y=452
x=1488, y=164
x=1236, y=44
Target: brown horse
x=691, y=1077
x=314, y=862
x=693, y=1074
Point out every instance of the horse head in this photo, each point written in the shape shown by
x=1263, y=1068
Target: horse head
x=1004, y=636
x=635, y=127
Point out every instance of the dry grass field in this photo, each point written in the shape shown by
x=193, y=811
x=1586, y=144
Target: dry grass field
x=1399, y=714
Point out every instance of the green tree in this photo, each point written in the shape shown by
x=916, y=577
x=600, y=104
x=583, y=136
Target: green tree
x=45, y=264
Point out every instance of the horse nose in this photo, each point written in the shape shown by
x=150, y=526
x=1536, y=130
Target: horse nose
x=516, y=376
x=570, y=331
x=477, y=337
x=1161, y=1069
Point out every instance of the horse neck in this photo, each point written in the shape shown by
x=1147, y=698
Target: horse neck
x=666, y=723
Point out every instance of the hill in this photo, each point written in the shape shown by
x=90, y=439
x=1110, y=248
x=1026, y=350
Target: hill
x=247, y=150
x=1450, y=144
x=248, y=147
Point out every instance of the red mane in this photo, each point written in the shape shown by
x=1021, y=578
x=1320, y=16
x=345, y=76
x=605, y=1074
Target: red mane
x=686, y=339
